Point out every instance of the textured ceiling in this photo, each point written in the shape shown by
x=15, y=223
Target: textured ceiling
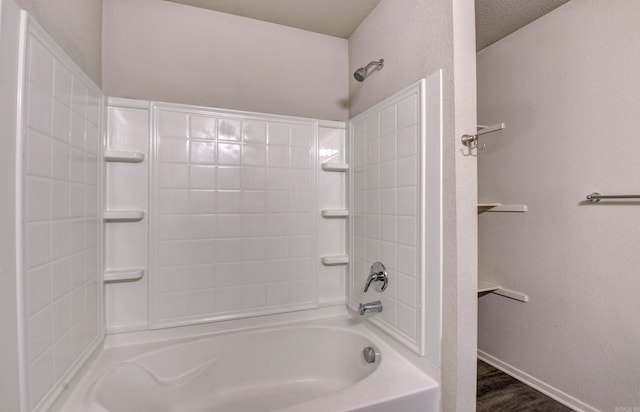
x=333, y=17
x=495, y=19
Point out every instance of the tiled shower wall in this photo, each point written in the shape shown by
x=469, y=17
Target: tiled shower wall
x=262, y=199
x=235, y=211
x=396, y=197
x=386, y=220
x=61, y=141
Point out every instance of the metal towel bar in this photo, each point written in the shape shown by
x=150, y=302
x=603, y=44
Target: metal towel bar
x=595, y=197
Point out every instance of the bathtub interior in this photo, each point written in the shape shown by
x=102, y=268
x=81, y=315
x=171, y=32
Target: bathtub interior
x=256, y=370
x=306, y=361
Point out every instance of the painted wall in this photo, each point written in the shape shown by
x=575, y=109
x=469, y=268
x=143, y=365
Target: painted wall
x=416, y=38
x=567, y=87
x=76, y=25
x=9, y=33
x=157, y=50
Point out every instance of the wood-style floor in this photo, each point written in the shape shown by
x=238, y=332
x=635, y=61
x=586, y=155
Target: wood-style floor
x=498, y=392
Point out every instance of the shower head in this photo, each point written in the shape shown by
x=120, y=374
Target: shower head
x=362, y=72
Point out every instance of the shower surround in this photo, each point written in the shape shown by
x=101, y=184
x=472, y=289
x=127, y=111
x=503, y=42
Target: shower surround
x=234, y=224
x=212, y=215
x=59, y=209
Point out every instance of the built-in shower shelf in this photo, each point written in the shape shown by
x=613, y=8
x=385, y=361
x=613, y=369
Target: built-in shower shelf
x=334, y=213
x=335, y=167
x=123, y=275
x=123, y=215
x=499, y=207
x=490, y=287
x=335, y=260
x=123, y=157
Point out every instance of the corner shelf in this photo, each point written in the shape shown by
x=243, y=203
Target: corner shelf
x=123, y=275
x=334, y=213
x=123, y=157
x=335, y=167
x=489, y=287
x=123, y=215
x=335, y=260
x=499, y=207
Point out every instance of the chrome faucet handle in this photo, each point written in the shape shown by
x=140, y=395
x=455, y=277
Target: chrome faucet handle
x=377, y=274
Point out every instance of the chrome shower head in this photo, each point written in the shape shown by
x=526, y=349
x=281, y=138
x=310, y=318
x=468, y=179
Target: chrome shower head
x=362, y=72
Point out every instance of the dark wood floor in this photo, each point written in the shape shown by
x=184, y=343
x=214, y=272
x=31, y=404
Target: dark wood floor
x=498, y=391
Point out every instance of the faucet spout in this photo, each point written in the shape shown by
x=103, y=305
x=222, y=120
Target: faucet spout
x=370, y=307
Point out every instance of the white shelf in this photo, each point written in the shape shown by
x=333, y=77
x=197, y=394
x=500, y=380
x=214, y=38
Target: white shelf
x=489, y=287
x=335, y=167
x=335, y=260
x=483, y=207
x=123, y=215
x=123, y=275
x=123, y=157
x=334, y=213
x=512, y=294
x=499, y=207
x=484, y=286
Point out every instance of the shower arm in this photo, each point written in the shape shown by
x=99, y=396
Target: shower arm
x=379, y=65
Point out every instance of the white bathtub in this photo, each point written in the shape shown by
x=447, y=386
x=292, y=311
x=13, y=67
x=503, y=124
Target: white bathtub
x=306, y=361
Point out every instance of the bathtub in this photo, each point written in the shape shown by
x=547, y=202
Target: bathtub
x=305, y=361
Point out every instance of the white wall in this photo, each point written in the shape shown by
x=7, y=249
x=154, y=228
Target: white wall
x=76, y=25
x=567, y=87
x=9, y=32
x=157, y=50
x=417, y=38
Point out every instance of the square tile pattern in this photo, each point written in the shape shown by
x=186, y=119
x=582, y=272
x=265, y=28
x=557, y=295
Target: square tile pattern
x=385, y=217
x=62, y=139
x=235, y=213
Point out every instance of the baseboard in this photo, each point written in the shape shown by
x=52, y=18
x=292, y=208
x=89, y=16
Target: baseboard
x=537, y=384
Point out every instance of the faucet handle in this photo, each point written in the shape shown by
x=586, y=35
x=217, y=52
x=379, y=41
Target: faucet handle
x=378, y=274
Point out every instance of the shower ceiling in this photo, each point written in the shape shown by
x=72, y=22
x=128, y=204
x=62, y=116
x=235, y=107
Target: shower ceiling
x=495, y=19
